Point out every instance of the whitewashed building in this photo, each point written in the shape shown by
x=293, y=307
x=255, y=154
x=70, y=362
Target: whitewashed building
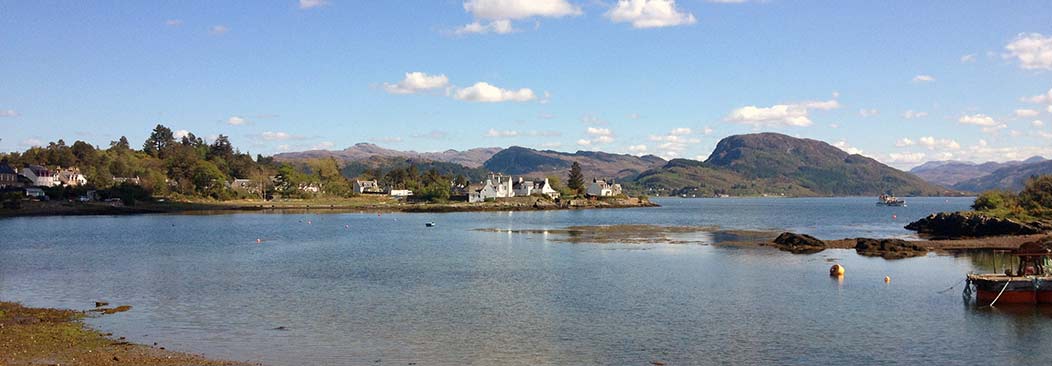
x=528, y=188
x=603, y=188
x=71, y=177
x=401, y=193
x=367, y=186
x=40, y=176
x=493, y=188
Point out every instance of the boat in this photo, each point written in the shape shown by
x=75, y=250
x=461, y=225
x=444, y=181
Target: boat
x=429, y=224
x=1030, y=283
x=888, y=199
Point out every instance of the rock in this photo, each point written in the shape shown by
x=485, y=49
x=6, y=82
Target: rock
x=100, y=304
x=888, y=248
x=119, y=309
x=799, y=243
x=961, y=224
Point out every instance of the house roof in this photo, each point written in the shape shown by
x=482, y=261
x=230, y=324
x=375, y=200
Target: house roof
x=6, y=169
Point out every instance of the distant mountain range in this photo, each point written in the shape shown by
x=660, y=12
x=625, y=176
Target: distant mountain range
x=754, y=164
x=771, y=163
x=951, y=172
x=472, y=158
x=1012, y=178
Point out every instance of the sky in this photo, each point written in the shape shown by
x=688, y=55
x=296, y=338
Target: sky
x=903, y=82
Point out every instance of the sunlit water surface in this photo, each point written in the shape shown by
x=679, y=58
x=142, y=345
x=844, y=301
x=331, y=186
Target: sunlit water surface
x=363, y=288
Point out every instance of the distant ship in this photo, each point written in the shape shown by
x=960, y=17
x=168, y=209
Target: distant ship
x=888, y=199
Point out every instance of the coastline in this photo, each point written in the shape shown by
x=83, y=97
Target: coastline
x=40, y=336
x=62, y=208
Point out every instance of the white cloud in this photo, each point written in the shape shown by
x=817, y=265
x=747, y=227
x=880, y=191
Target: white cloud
x=551, y=145
x=583, y=142
x=923, y=79
x=1040, y=98
x=308, y=4
x=284, y=147
x=484, y=92
x=519, y=9
x=236, y=121
x=706, y=131
x=277, y=136
x=32, y=142
x=834, y=125
x=1026, y=113
x=1033, y=51
x=498, y=133
x=905, y=141
x=634, y=116
x=592, y=120
x=433, y=134
x=968, y=58
x=649, y=13
x=795, y=115
x=324, y=145
x=978, y=120
x=595, y=131
x=179, y=134
x=994, y=129
x=904, y=159
x=843, y=145
x=933, y=143
x=173, y=22
x=680, y=131
x=911, y=114
x=865, y=113
x=218, y=29
x=500, y=26
x=8, y=113
x=416, y=82
x=1043, y=134
x=386, y=140
x=638, y=148
x=1037, y=123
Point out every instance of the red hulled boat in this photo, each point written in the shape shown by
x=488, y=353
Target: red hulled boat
x=1031, y=283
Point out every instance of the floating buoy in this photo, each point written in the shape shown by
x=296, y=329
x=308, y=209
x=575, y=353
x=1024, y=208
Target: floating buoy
x=346, y=226
x=894, y=217
x=887, y=279
x=308, y=222
x=259, y=241
x=836, y=270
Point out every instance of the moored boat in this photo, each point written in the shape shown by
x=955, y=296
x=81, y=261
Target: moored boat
x=1030, y=283
x=888, y=199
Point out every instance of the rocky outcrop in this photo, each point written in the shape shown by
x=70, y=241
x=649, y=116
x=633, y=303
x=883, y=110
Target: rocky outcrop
x=960, y=224
x=799, y=243
x=888, y=248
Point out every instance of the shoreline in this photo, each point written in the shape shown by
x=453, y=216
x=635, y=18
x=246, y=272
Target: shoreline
x=43, y=336
x=56, y=208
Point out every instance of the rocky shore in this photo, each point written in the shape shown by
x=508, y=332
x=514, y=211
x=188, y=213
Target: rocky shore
x=897, y=248
x=952, y=225
x=34, y=336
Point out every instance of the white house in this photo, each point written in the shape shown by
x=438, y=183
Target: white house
x=245, y=185
x=529, y=188
x=367, y=186
x=494, y=187
x=602, y=188
x=40, y=176
x=71, y=177
x=401, y=193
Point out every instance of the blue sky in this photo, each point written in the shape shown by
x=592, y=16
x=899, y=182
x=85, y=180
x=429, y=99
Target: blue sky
x=900, y=81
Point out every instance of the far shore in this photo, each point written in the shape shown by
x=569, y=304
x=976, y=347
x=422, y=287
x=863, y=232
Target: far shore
x=356, y=204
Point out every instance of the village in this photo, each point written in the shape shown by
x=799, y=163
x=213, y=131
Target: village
x=33, y=182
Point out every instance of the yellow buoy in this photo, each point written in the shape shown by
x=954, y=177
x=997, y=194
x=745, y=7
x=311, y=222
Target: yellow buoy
x=836, y=270
x=887, y=279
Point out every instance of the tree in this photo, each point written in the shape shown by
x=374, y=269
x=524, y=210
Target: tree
x=208, y=179
x=1036, y=197
x=159, y=141
x=576, y=179
x=121, y=145
x=557, y=184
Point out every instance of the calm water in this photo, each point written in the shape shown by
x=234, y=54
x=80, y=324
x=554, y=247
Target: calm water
x=362, y=288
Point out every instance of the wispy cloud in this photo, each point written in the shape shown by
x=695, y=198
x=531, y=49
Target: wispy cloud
x=649, y=14
x=310, y=4
x=218, y=29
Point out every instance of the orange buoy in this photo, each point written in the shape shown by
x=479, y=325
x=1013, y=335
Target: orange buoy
x=836, y=270
x=887, y=279
x=894, y=217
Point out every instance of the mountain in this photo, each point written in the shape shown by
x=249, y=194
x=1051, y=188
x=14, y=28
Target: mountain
x=517, y=160
x=1010, y=177
x=771, y=163
x=949, y=172
x=472, y=158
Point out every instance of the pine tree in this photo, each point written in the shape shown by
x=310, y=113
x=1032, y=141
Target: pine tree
x=576, y=179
